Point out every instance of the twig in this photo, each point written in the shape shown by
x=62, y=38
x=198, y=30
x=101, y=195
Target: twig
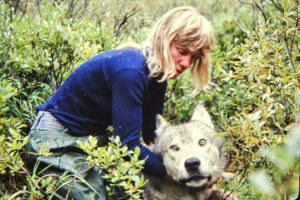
x=24, y=9
x=236, y=21
x=289, y=51
x=39, y=9
x=290, y=48
x=73, y=180
x=243, y=2
x=262, y=11
x=70, y=11
x=242, y=27
x=22, y=168
x=278, y=6
x=16, y=6
x=296, y=28
x=124, y=20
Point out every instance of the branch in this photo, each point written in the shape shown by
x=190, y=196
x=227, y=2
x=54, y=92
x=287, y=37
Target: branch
x=278, y=6
x=25, y=170
x=16, y=6
x=242, y=27
x=262, y=11
x=124, y=20
x=24, y=10
x=70, y=10
x=296, y=29
x=243, y=2
x=237, y=16
x=290, y=48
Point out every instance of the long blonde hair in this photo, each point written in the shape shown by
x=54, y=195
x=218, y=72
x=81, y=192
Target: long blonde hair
x=188, y=28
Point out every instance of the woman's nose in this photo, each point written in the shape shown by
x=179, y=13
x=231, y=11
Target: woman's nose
x=186, y=61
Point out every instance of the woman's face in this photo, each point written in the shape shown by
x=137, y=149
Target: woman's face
x=182, y=58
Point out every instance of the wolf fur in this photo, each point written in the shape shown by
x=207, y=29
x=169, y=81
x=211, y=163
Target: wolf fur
x=192, y=156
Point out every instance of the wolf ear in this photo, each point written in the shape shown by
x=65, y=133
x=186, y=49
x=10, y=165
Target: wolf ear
x=160, y=123
x=201, y=114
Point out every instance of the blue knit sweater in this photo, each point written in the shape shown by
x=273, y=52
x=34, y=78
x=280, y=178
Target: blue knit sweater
x=112, y=88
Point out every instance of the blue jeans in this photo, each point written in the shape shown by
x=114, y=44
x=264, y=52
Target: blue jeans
x=45, y=121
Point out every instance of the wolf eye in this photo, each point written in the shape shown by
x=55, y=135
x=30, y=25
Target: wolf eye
x=202, y=142
x=174, y=147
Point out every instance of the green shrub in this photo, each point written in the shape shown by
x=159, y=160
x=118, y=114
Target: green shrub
x=255, y=82
x=39, y=48
x=42, y=43
x=121, y=167
x=254, y=78
x=45, y=48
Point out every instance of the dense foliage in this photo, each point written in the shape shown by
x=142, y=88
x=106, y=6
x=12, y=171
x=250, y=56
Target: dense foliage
x=253, y=97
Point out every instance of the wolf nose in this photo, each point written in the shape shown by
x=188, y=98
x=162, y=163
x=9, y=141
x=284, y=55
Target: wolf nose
x=192, y=164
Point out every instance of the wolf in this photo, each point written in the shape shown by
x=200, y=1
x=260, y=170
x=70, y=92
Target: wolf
x=192, y=156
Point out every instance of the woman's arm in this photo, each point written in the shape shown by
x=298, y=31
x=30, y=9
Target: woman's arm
x=128, y=88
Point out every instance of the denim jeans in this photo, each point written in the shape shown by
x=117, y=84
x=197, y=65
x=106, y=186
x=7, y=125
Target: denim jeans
x=45, y=121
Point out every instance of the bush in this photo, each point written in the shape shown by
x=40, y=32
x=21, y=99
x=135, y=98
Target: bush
x=251, y=98
x=121, y=167
x=254, y=78
x=40, y=46
x=255, y=82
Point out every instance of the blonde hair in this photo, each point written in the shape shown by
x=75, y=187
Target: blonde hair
x=188, y=28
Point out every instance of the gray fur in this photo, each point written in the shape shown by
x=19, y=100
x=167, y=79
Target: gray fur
x=194, y=167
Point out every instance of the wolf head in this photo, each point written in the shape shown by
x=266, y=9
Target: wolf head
x=191, y=152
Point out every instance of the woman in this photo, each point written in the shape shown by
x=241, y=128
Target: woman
x=124, y=88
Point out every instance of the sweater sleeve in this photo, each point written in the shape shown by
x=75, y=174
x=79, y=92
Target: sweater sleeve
x=153, y=105
x=128, y=86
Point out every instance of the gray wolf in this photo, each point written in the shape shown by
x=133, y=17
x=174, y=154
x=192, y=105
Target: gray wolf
x=192, y=156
